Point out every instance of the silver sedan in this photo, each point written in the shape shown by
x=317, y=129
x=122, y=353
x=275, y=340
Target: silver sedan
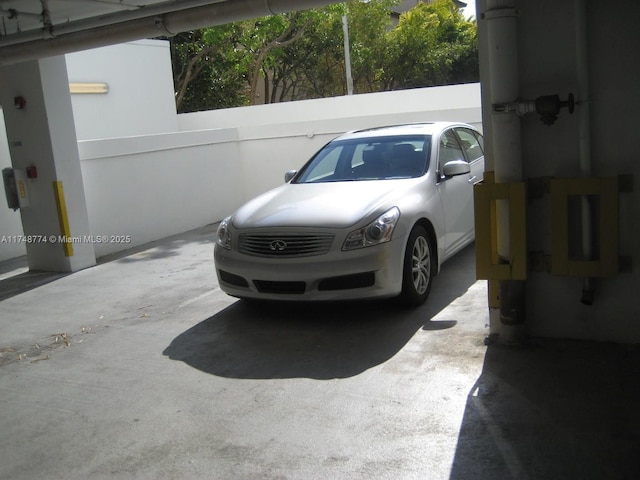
x=373, y=214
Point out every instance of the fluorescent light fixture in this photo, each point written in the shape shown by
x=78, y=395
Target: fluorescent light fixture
x=88, y=87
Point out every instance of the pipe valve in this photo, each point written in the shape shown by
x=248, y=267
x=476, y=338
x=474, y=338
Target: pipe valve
x=547, y=106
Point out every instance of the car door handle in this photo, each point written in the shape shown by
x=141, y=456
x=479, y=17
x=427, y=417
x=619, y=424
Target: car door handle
x=472, y=179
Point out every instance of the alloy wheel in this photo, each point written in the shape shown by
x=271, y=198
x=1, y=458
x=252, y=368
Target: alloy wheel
x=421, y=265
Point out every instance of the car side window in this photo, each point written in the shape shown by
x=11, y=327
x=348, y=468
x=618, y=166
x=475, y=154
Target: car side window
x=480, y=139
x=449, y=149
x=472, y=148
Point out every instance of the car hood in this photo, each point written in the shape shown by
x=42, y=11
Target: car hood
x=333, y=205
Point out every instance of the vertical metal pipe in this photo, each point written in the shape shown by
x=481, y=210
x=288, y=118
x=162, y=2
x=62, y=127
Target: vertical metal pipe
x=506, y=149
x=504, y=85
x=347, y=54
x=584, y=137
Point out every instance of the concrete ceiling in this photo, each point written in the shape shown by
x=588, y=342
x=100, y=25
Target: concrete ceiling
x=32, y=29
x=19, y=16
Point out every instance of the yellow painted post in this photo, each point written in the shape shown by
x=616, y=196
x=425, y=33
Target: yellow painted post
x=485, y=220
x=609, y=221
x=518, y=230
x=63, y=218
x=606, y=188
x=488, y=264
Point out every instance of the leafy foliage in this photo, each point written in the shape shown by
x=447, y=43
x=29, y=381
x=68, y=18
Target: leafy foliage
x=433, y=45
x=301, y=55
x=205, y=74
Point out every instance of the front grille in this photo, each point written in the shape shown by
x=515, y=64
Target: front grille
x=291, y=245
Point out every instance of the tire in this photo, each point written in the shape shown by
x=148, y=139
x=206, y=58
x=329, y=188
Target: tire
x=418, y=268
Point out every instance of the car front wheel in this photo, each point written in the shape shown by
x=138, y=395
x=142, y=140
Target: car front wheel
x=418, y=268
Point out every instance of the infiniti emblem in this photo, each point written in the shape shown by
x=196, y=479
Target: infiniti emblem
x=278, y=245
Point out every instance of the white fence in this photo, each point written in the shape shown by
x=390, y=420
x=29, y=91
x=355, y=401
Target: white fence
x=152, y=186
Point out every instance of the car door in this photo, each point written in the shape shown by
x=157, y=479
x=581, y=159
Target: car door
x=456, y=194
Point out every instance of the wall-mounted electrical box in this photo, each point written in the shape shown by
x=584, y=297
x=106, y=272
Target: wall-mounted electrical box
x=15, y=187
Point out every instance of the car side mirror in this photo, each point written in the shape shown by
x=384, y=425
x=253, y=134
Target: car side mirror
x=455, y=167
x=289, y=175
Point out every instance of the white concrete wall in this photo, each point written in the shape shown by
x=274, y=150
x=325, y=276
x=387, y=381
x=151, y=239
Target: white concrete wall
x=420, y=104
x=553, y=151
x=278, y=137
x=140, y=98
x=154, y=186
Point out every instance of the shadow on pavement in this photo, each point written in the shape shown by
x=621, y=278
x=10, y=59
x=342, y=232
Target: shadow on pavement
x=16, y=278
x=164, y=248
x=320, y=341
x=553, y=410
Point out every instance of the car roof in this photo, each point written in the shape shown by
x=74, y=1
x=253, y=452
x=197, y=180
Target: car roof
x=422, y=128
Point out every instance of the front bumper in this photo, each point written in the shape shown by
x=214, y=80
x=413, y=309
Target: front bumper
x=372, y=272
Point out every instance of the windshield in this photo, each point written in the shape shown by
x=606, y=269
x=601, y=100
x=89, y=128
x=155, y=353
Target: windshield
x=375, y=158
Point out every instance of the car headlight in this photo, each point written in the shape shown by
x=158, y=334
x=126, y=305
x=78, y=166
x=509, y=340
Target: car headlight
x=224, y=235
x=378, y=231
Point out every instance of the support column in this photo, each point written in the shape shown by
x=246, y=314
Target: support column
x=41, y=133
x=504, y=151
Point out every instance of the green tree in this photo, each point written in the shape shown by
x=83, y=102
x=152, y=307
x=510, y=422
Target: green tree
x=318, y=58
x=205, y=72
x=297, y=55
x=433, y=44
x=369, y=27
x=320, y=55
x=257, y=48
x=300, y=55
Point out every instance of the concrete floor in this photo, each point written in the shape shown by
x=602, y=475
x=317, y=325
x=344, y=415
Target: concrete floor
x=142, y=368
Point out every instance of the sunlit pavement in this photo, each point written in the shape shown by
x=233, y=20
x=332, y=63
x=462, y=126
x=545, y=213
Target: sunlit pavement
x=142, y=368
